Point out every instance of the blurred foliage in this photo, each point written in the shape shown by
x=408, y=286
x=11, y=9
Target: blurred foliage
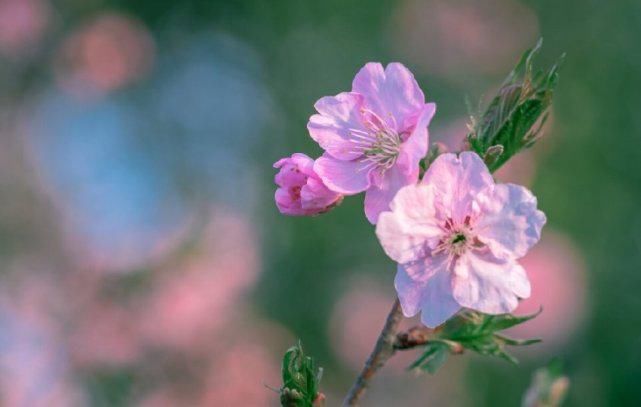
x=109, y=387
x=549, y=387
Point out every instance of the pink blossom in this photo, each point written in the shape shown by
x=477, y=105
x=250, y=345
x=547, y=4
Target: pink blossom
x=374, y=137
x=457, y=237
x=301, y=192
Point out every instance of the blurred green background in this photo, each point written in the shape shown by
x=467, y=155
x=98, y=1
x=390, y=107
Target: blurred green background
x=143, y=261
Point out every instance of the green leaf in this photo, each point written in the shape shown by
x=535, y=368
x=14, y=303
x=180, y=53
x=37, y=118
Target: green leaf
x=432, y=359
x=510, y=120
x=301, y=378
x=473, y=331
x=505, y=321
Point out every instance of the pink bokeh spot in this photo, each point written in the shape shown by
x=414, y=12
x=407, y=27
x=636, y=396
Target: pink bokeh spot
x=239, y=376
x=357, y=320
x=105, y=335
x=22, y=25
x=558, y=275
x=104, y=55
x=34, y=369
x=188, y=319
x=454, y=39
x=189, y=303
x=161, y=398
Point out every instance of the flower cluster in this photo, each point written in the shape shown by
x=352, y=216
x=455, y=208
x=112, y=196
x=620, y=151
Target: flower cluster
x=455, y=234
x=374, y=138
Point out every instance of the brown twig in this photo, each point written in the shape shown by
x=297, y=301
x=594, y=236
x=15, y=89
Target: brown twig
x=389, y=341
x=413, y=337
x=384, y=349
x=421, y=336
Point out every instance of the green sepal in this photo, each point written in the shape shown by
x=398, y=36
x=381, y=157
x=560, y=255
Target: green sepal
x=433, y=357
x=473, y=331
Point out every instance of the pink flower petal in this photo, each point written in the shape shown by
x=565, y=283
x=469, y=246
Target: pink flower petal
x=426, y=285
x=438, y=304
x=316, y=195
x=294, y=170
x=286, y=203
x=489, y=284
x=377, y=199
x=412, y=228
x=457, y=180
x=345, y=177
x=414, y=149
x=332, y=128
x=508, y=221
x=411, y=279
x=392, y=94
x=304, y=162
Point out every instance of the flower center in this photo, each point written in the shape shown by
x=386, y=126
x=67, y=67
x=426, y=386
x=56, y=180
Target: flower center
x=457, y=242
x=384, y=149
x=456, y=239
x=380, y=145
x=295, y=192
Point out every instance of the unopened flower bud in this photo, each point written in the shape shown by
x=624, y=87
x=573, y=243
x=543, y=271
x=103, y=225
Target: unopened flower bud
x=301, y=192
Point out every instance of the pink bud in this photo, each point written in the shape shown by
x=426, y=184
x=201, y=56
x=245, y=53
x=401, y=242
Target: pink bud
x=301, y=192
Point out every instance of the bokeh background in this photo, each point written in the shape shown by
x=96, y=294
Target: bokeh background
x=142, y=259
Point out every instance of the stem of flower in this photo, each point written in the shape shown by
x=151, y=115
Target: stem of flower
x=384, y=349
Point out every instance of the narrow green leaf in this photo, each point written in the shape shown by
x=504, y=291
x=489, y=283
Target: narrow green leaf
x=432, y=358
x=435, y=362
x=430, y=350
x=517, y=342
x=507, y=357
x=505, y=321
